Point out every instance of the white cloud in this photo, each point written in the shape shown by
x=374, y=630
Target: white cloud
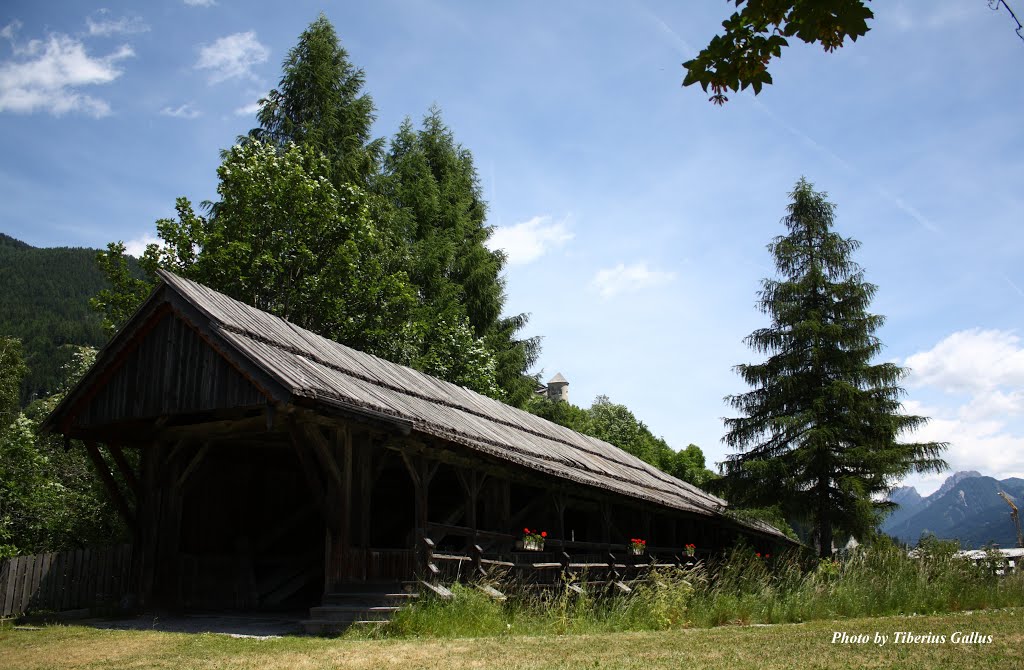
x=989, y=446
x=105, y=26
x=982, y=373
x=527, y=241
x=970, y=360
x=10, y=29
x=137, y=247
x=628, y=278
x=232, y=57
x=248, y=110
x=185, y=111
x=46, y=74
x=200, y=3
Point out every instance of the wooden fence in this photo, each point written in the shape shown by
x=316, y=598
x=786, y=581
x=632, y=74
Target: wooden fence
x=68, y=580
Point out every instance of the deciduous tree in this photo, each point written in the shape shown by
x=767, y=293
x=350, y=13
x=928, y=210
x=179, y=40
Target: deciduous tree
x=289, y=242
x=756, y=34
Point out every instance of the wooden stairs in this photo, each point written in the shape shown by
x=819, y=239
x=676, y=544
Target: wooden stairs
x=362, y=604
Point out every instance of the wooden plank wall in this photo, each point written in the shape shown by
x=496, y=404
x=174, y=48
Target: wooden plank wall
x=172, y=370
x=68, y=580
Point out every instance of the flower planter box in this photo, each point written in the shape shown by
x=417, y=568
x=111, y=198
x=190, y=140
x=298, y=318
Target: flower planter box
x=636, y=551
x=530, y=545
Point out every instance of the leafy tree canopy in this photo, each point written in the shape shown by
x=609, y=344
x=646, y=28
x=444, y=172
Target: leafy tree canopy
x=755, y=34
x=285, y=240
x=50, y=498
x=818, y=432
x=384, y=253
x=617, y=425
x=12, y=369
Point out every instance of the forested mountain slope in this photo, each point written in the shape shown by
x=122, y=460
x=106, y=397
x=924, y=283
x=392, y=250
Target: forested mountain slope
x=44, y=302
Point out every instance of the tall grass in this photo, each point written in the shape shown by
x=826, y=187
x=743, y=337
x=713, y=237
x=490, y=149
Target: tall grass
x=738, y=588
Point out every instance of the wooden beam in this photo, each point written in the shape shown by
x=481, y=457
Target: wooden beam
x=179, y=446
x=321, y=448
x=316, y=487
x=192, y=465
x=125, y=469
x=207, y=430
x=111, y=485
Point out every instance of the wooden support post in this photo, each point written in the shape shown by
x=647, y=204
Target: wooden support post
x=310, y=446
x=559, y=501
x=169, y=568
x=478, y=564
x=113, y=490
x=316, y=487
x=505, y=504
x=421, y=473
x=606, y=523
x=365, y=501
x=472, y=481
x=148, y=549
x=345, y=438
x=341, y=536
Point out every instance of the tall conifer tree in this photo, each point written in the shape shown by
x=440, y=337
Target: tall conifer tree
x=437, y=206
x=320, y=103
x=819, y=431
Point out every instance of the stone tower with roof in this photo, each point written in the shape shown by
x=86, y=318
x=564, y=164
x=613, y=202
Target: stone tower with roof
x=558, y=388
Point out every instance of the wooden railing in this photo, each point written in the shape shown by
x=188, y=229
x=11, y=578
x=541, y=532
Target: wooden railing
x=561, y=560
x=61, y=581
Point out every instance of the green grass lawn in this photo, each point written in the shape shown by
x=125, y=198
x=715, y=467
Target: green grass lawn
x=807, y=645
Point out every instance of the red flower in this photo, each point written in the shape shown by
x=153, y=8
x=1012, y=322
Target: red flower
x=543, y=533
x=759, y=554
x=526, y=530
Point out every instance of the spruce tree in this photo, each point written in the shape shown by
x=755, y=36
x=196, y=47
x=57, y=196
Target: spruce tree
x=819, y=430
x=437, y=206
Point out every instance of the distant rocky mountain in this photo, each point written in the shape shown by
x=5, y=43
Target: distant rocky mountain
x=967, y=507
x=953, y=480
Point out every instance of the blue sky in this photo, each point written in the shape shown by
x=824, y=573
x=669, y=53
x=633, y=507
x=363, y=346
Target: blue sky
x=635, y=213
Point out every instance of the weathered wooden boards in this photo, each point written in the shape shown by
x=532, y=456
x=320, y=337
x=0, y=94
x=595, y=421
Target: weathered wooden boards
x=62, y=581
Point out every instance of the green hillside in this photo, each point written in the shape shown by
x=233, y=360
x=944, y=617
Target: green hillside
x=44, y=302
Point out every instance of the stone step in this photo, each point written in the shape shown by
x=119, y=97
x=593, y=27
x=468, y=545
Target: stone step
x=350, y=613
x=369, y=597
x=329, y=627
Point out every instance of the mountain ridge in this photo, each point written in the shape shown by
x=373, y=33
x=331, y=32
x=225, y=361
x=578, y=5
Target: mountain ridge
x=967, y=507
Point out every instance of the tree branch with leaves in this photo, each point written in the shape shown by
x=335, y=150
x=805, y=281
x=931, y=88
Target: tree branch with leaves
x=757, y=33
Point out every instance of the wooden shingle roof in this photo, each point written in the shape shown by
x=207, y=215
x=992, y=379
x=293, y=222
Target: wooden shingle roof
x=323, y=372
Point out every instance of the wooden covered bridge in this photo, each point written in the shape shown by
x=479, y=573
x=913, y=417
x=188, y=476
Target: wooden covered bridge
x=260, y=465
